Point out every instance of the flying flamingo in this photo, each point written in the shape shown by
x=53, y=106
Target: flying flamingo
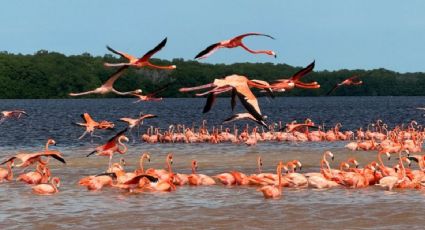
x=12, y=114
x=239, y=85
x=28, y=159
x=140, y=62
x=135, y=122
x=91, y=125
x=233, y=43
x=47, y=189
x=242, y=116
x=150, y=96
x=108, y=86
x=273, y=191
x=349, y=81
x=112, y=146
x=295, y=81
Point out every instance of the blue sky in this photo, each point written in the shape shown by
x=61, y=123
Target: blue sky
x=350, y=34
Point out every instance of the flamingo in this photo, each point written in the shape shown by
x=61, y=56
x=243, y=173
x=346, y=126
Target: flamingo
x=349, y=81
x=7, y=114
x=242, y=116
x=108, y=86
x=199, y=179
x=111, y=147
x=140, y=62
x=239, y=85
x=133, y=122
x=141, y=170
x=233, y=43
x=47, y=189
x=295, y=81
x=41, y=175
x=28, y=159
x=163, y=174
x=252, y=139
x=273, y=191
x=94, y=183
x=91, y=125
x=150, y=96
x=7, y=174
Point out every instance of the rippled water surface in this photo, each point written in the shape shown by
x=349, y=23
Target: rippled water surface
x=202, y=207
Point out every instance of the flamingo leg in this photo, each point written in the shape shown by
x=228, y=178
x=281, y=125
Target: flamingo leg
x=196, y=87
x=81, y=137
x=216, y=91
x=110, y=163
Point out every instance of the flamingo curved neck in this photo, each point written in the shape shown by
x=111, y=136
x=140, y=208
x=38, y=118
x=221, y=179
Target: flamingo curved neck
x=125, y=148
x=142, y=170
x=10, y=172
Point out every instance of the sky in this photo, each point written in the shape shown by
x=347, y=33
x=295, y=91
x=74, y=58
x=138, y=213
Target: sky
x=349, y=34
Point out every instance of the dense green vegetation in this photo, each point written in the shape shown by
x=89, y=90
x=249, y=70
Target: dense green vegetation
x=54, y=75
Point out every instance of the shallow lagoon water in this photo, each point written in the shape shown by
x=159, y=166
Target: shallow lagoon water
x=203, y=207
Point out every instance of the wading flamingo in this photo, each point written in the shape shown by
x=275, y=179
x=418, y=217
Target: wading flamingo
x=140, y=62
x=232, y=43
x=47, y=189
x=141, y=169
x=7, y=174
x=273, y=191
x=199, y=179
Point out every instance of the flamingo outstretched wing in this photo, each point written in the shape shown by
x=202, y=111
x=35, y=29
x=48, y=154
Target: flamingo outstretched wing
x=117, y=74
x=208, y=51
x=122, y=54
x=159, y=90
x=252, y=34
x=333, y=89
x=151, y=52
x=298, y=75
x=249, y=101
x=210, y=102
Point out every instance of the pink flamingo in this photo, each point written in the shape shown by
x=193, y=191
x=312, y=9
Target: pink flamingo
x=233, y=43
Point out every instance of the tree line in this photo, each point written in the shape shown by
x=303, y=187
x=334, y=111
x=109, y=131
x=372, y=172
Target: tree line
x=54, y=75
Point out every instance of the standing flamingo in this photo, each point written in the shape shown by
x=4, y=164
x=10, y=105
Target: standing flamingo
x=232, y=43
x=140, y=62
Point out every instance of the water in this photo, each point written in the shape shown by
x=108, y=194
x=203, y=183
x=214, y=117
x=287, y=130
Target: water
x=202, y=207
